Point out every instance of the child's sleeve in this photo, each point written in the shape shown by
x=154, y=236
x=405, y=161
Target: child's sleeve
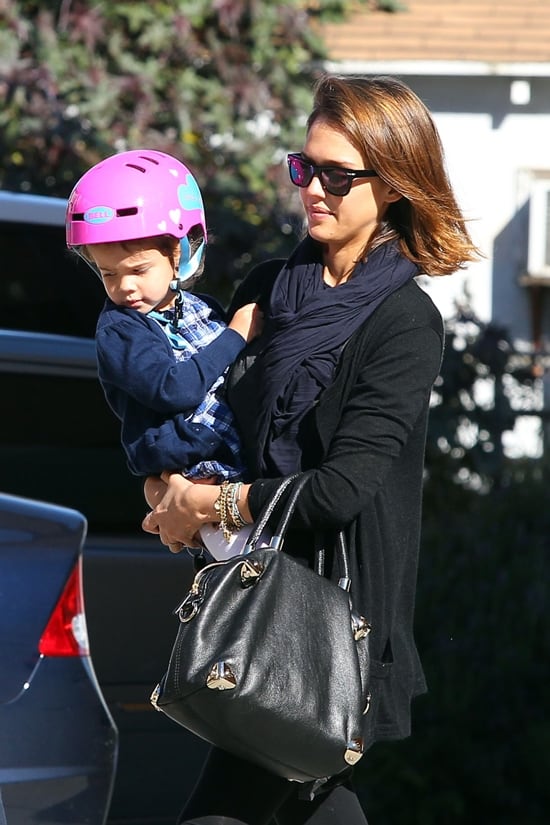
x=143, y=366
x=175, y=444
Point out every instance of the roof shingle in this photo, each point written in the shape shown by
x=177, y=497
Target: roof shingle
x=490, y=31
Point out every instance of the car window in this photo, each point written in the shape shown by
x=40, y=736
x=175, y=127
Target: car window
x=60, y=442
x=43, y=286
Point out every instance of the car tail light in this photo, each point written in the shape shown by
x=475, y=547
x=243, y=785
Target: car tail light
x=66, y=634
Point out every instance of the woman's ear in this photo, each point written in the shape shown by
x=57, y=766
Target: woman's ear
x=392, y=195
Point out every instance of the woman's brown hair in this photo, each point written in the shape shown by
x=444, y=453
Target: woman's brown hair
x=395, y=133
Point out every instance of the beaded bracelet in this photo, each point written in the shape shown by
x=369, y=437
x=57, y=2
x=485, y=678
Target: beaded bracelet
x=226, y=505
x=220, y=506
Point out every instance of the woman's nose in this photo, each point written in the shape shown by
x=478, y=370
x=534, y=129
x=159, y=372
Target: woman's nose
x=315, y=186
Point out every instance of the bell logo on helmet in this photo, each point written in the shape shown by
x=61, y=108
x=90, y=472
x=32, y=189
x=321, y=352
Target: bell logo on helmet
x=99, y=214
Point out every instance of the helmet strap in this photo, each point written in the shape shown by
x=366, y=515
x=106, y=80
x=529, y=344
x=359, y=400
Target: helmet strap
x=178, y=308
x=186, y=275
x=189, y=266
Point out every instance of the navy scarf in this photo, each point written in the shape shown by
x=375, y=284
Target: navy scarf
x=306, y=327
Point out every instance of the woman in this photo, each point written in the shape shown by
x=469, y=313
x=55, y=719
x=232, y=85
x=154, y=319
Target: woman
x=341, y=383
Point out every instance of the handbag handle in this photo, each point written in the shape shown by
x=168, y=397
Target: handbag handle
x=297, y=481
x=267, y=512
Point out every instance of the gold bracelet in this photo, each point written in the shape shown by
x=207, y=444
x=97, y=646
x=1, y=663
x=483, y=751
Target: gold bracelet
x=226, y=505
x=220, y=507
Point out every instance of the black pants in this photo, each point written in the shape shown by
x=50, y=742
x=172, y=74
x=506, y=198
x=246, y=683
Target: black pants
x=248, y=795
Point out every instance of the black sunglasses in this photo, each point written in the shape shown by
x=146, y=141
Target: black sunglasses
x=334, y=179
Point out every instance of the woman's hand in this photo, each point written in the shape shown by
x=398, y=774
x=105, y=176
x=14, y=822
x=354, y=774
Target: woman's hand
x=180, y=508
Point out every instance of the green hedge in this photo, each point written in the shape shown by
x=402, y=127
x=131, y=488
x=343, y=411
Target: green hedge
x=481, y=735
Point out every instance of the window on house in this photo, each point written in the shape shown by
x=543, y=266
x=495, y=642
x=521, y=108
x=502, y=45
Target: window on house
x=538, y=261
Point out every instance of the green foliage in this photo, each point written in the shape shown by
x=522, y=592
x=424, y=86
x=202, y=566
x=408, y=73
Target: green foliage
x=480, y=747
x=224, y=86
x=391, y=5
x=484, y=385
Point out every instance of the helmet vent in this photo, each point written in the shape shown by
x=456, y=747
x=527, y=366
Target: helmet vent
x=142, y=168
x=127, y=212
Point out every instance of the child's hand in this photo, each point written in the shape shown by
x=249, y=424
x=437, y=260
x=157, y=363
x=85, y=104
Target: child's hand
x=248, y=321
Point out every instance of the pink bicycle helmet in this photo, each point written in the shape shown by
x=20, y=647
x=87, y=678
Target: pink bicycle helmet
x=137, y=194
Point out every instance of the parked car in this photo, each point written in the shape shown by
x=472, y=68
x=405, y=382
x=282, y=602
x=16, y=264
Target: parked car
x=58, y=741
x=59, y=441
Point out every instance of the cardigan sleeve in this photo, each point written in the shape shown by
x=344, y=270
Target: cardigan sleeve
x=365, y=418
x=134, y=359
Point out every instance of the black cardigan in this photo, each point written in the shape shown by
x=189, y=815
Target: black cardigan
x=370, y=430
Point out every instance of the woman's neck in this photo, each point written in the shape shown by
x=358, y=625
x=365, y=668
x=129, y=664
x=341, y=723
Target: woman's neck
x=339, y=264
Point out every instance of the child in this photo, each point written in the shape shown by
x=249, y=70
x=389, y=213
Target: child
x=137, y=218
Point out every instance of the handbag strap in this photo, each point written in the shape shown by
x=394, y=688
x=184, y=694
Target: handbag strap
x=297, y=480
x=341, y=554
x=267, y=512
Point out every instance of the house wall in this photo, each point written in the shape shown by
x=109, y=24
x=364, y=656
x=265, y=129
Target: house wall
x=492, y=147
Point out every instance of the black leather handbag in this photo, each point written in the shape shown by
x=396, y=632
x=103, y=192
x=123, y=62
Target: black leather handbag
x=270, y=661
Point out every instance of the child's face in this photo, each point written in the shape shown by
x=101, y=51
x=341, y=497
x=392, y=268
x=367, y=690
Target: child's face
x=135, y=275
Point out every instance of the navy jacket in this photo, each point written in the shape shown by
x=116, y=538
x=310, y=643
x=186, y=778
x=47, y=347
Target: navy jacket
x=152, y=393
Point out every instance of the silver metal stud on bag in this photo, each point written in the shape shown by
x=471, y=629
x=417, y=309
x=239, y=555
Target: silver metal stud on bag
x=251, y=572
x=154, y=697
x=354, y=751
x=360, y=626
x=221, y=677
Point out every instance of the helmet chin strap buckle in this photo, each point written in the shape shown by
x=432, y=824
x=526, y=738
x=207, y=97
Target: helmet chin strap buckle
x=178, y=307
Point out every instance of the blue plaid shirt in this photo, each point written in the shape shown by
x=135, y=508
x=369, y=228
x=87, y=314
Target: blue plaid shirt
x=197, y=327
